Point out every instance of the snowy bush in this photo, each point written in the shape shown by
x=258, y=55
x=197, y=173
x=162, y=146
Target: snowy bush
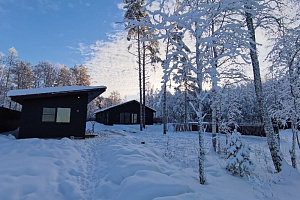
x=169, y=153
x=238, y=156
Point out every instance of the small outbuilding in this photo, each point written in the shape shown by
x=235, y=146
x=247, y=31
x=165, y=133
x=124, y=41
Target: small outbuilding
x=54, y=112
x=124, y=113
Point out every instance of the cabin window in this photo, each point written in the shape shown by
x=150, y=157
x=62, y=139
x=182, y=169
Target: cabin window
x=127, y=118
x=63, y=115
x=124, y=118
x=48, y=115
x=134, y=118
x=59, y=115
x=121, y=118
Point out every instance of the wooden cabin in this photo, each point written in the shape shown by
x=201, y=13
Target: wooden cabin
x=54, y=112
x=124, y=113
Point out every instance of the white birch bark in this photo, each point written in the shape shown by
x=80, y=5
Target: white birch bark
x=294, y=112
x=199, y=112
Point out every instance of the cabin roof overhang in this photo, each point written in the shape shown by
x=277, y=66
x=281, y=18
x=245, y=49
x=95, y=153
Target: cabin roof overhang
x=22, y=95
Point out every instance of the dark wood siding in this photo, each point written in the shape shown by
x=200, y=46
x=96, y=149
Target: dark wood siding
x=31, y=117
x=9, y=119
x=122, y=114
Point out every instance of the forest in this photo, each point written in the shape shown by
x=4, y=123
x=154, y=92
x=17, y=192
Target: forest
x=205, y=47
x=17, y=74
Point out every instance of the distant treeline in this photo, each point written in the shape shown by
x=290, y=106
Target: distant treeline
x=17, y=74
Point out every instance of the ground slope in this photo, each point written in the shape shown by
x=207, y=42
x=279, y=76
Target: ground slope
x=123, y=163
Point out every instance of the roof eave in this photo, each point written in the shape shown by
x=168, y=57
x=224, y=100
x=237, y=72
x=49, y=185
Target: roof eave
x=92, y=93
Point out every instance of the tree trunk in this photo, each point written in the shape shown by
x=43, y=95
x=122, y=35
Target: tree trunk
x=165, y=108
x=268, y=127
x=214, y=109
x=144, y=85
x=214, y=94
x=185, y=102
x=297, y=136
x=140, y=80
x=201, y=157
x=293, y=150
x=165, y=95
x=292, y=83
x=214, y=125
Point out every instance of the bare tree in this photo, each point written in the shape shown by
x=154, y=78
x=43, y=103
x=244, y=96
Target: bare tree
x=133, y=16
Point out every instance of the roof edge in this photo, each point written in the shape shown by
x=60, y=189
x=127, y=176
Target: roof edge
x=52, y=90
x=110, y=107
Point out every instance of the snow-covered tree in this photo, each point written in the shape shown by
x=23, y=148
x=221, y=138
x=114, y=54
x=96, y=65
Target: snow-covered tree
x=2, y=78
x=215, y=34
x=245, y=94
x=45, y=74
x=12, y=60
x=150, y=95
x=285, y=58
x=254, y=10
x=238, y=156
x=93, y=106
x=22, y=76
x=229, y=109
x=38, y=74
x=113, y=99
x=63, y=76
x=80, y=75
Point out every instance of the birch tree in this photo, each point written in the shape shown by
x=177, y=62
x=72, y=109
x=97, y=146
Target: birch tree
x=2, y=78
x=252, y=9
x=224, y=48
x=11, y=61
x=285, y=57
x=215, y=35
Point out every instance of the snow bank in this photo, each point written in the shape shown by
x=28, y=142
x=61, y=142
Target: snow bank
x=35, y=169
x=124, y=163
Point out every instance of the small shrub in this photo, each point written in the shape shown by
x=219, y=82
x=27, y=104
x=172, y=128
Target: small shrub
x=238, y=156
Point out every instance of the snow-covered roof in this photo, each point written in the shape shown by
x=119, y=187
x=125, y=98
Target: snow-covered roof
x=52, y=90
x=110, y=107
x=22, y=94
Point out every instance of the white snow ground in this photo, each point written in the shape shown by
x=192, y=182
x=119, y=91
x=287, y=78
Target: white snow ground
x=116, y=165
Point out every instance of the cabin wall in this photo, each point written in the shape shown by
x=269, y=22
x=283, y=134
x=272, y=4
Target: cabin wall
x=31, y=118
x=113, y=115
x=9, y=119
x=149, y=116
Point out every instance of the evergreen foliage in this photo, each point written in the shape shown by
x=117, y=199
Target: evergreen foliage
x=238, y=156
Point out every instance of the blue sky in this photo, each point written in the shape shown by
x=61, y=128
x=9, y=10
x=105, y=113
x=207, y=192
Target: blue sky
x=73, y=31
x=53, y=29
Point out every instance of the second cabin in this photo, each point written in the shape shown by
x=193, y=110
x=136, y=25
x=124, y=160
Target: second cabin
x=124, y=113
